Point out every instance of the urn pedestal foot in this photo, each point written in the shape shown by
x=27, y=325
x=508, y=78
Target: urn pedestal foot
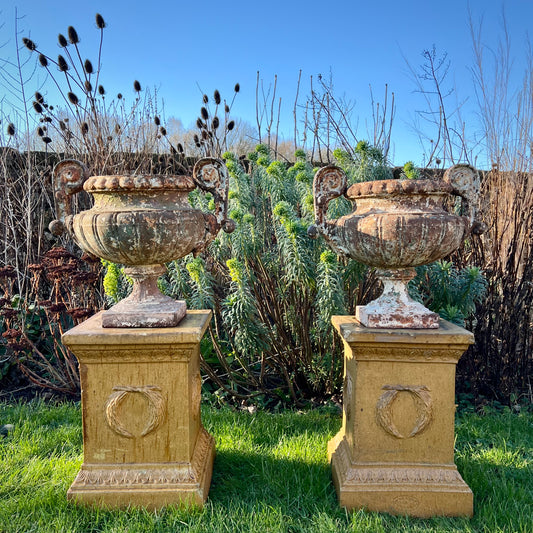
x=146, y=306
x=143, y=440
x=394, y=452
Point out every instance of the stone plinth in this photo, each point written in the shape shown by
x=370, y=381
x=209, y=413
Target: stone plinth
x=143, y=439
x=394, y=452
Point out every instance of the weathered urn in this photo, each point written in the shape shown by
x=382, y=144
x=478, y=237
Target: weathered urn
x=396, y=226
x=142, y=222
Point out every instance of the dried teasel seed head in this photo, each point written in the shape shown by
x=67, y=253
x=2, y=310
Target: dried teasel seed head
x=136, y=86
x=51, y=107
x=85, y=128
x=199, y=123
x=237, y=88
x=157, y=122
x=73, y=35
x=117, y=128
x=226, y=108
x=40, y=132
x=215, y=124
x=88, y=67
x=180, y=148
x=217, y=97
x=204, y=134
x=198, y=145
x=88, y=86
x=62, y=64
x=62, y=40
x=205, y=99
x=119, y=96
x=46, y=140
x=73, y=99
x=196, y=139
x=101, y=90
x=163, y=130
x=42, y=60
x=47, y=119
x=204, y=113
x=62, y=125
x=231, y=125
x=109, y=138
x=37, y=106
x=11, y=129
x=29, y=44
x=100, y=23
x=39, y=97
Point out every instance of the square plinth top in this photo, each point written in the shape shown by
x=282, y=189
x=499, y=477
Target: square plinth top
x=190, y=330
x=352, y=331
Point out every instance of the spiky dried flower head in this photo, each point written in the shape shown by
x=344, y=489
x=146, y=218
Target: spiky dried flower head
x=237, y=88
x=62, y=64
x=101, y=90
x=62, y=40
x=11, y=129
x=117, y=128
x=37, y=107
x=205, y=99
x=119, y=96
x=100, y=23
x=196, y=139
x=73, y=35
x=88, y=67
x=231, y=125
x=42, y=60
x=199, y=123
x=47, y=119
x=180, y=148
x=88, y=86
x=62, y=125
x=72, y=98
x=29, y=44
x=46, y=140
x=136, y=86
x=204, y=134
x=204, y=113
x=40, y=132
x=39, y=97
x=215, y=124
x=84, y=128
x=163, y=130
x=217, y=97
x=157, y=121
x=226, y=108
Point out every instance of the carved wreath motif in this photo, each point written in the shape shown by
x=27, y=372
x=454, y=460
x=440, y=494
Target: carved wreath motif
x=156, y=408
x=423, y=403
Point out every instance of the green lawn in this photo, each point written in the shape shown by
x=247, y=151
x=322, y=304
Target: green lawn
x=271, y=475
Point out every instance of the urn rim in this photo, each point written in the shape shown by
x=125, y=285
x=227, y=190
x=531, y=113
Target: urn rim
x=139, y=182
x=394, y=187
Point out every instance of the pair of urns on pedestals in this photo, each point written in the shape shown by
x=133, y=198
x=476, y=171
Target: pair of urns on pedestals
x=144, y=443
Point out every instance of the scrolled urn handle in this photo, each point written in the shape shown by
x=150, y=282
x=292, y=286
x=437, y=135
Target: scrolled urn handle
x=330, y=182
x=68, y=179
x=211, y=175
x=465, y=182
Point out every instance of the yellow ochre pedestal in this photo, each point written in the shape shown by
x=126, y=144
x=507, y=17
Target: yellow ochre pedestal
x=143, y=439
x=394, y=452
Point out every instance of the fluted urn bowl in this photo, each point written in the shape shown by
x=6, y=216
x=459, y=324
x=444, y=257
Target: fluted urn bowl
x=142, y=222
x=396, y=226
x=400, y=223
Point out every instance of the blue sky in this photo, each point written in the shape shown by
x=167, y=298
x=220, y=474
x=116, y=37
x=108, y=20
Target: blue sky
x=180, y=46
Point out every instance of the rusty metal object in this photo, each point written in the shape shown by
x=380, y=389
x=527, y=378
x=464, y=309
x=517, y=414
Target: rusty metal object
x=397, y=225
x=142, y=222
